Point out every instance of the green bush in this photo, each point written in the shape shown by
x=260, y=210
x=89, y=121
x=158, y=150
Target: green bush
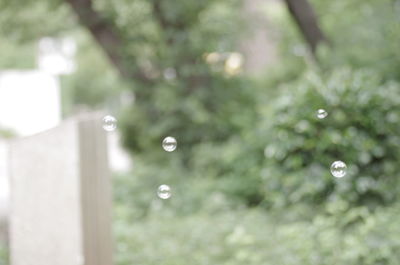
x=356, y=237
x=361, y=129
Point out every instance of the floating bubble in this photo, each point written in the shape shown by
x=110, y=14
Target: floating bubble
x=169, y=144
x=109, y=123
x=321, y=114
x=338, y=169
x=164, y=192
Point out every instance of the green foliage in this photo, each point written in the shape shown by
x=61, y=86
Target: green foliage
x=361, y=130
x=367, y=36
x=208, y=113
x=3, y=254
x=16, y=55
x=200, y=225
x=26, y=21
x=90, y=87
x=223, y=124
x=7, y=134
x=199, y=103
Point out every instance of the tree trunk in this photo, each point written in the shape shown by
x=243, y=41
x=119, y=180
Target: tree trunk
x=305, y=18
x=259, y=46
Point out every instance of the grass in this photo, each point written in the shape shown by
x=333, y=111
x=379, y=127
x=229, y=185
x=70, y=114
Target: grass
x=215, y=234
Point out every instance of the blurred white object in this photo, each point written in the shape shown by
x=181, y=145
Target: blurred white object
x=29, y=101
x=56, y=56
x=118, y=158
x=233, y=64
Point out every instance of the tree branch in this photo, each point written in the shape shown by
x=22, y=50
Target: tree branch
x=306, y=20
x=106, y=35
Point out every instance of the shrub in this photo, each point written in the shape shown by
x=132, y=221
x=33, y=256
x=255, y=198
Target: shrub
x=361, y=129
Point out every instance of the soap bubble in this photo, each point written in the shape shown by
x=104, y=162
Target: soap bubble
x=338, y=169
x=321, y=114
x=164, y=192
x=109, y=123
x=169, y=144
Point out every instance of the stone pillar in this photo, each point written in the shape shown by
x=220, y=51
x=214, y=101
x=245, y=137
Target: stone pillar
x=4, y=193
x=60, y=208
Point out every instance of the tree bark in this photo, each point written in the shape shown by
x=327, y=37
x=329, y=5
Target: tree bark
x=106, y=35
x=305, y=18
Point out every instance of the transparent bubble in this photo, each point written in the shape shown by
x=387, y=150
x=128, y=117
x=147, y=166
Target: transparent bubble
x=321, y=114
x=109, y=123
x=338, y=169
x=164, y=192
x=169, y=144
